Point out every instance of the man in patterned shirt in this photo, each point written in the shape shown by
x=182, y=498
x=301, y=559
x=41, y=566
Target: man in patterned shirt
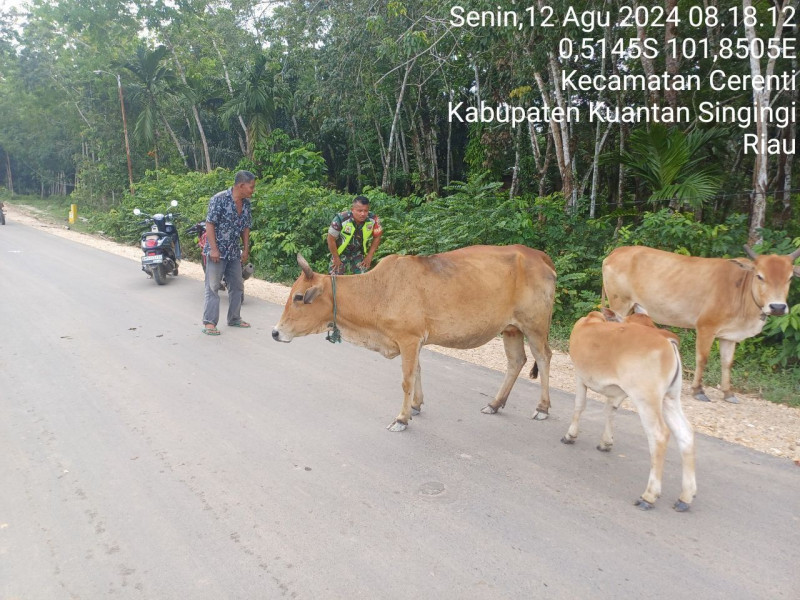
x=229, y=219
x=353, y=238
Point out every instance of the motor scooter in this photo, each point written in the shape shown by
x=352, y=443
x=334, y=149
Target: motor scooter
x=199, y=229
x=2, y=214
x=160, y=245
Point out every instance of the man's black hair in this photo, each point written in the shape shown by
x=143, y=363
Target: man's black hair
x=361, y=200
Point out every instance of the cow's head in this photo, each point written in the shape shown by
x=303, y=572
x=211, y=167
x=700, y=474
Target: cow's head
x=772, y=274
x=309, y=308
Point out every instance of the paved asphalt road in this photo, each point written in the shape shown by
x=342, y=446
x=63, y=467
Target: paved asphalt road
x=141, y=459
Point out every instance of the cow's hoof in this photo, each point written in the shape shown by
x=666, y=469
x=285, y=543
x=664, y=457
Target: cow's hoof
x=732, y=399
x=701, y=395
x=681, y=506
x=604, y=447
x=397, y=426
x=489, y=410
x=644, y=504
x=415, y=411
x=567, y=440
x=539, y=416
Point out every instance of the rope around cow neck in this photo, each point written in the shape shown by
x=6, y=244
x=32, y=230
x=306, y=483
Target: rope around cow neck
x=334, y=335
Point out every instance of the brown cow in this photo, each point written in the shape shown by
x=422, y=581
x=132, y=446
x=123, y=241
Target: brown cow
x=722, y=299
x=630, y=357
x=458, y=299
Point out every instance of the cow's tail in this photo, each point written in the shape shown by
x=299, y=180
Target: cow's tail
x=679, y=368
x=534, y=371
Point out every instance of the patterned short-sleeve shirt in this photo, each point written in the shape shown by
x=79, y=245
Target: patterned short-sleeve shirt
x=228, y=224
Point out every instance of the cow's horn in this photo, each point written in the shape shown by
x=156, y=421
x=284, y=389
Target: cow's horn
x=304, y=266
x=749, y=252
x=795, y=254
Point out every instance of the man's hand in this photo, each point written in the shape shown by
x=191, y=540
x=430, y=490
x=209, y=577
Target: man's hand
x=213, y=254
x=365, y=264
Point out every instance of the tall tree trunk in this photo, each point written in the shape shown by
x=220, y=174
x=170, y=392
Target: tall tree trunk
x=761, y=98
x=672, y=59
x=245, y=145
x=560, y=139
x=393, y=130
x=599, y=142
x=9, y=178
x=542, y=162
x=416, y=140
x=195, y=112
x=621, y=172
x=449, y=165
x=791, y=135
x=569, y=172
x=175, y=140
x=514, y=190
x=353, y=154
x=647, y=63
x=431, y=143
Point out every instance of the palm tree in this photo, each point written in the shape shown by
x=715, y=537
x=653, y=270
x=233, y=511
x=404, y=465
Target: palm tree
x=153, y=82
x=672, y=164
x=255, y=100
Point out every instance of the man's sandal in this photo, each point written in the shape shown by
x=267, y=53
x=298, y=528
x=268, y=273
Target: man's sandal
x=210, y=330
x=240, y=324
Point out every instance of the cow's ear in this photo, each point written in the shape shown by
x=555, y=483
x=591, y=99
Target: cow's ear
x=797, y=271
x=743, y=263
x=610, y=315
x=311, y=294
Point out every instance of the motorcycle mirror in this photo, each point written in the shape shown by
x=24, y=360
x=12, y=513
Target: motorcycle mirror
x=174, y=203
x=137, y=212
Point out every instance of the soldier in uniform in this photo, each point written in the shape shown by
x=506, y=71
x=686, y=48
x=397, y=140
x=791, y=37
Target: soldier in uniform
x=353, y=238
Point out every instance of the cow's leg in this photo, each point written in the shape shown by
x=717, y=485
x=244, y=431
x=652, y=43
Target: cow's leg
x=726, y=350
x=409, y=353
x=705, y=338
x=416, y=404
x=514, y=345
x=580, y=405
x=680, y=427
x=537, y=342
x=649, y=408
x=610, y=411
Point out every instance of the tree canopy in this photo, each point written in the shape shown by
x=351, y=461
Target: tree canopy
x=384, y=89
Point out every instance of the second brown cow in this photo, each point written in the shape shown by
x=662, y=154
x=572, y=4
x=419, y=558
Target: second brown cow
x=722, y=299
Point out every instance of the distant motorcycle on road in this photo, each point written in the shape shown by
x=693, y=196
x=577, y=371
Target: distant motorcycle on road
x=160, y=244
x=2, y=214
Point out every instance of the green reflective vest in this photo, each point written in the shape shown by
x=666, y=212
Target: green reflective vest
x=349, y=230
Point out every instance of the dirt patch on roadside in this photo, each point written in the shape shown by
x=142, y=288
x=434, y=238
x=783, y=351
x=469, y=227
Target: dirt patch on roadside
x=754, y=422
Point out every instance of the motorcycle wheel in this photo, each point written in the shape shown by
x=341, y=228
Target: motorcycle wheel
x=159, y=274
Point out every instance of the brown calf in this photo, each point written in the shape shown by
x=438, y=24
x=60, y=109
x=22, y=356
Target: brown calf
x=630, y=357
